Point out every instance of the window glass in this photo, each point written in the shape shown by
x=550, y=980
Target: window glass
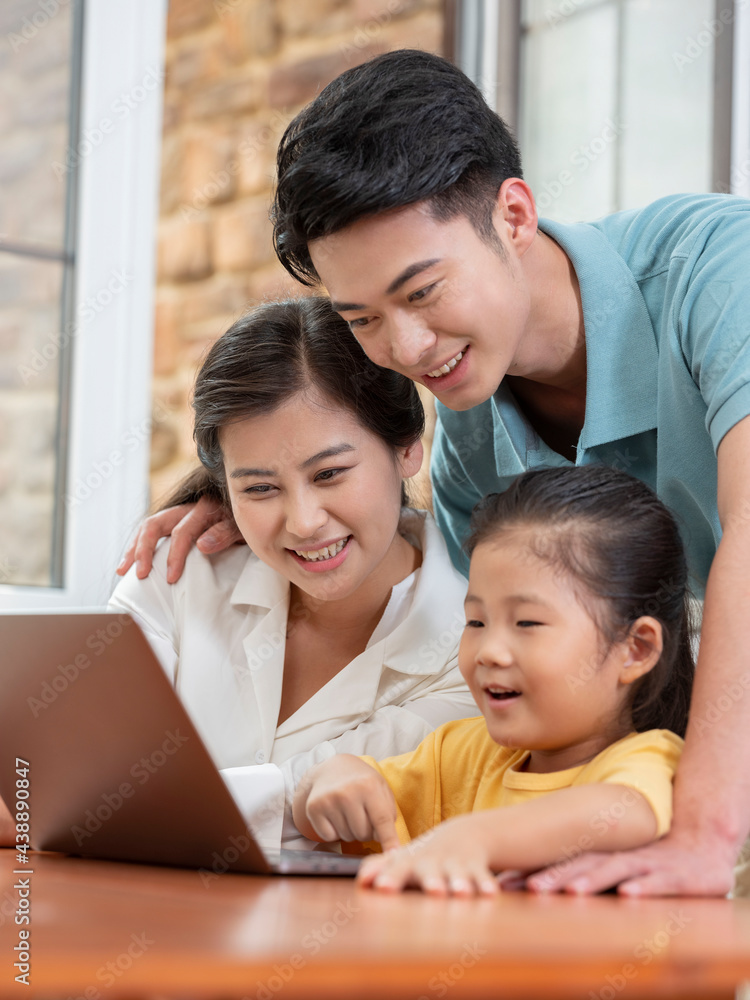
x=36, y=70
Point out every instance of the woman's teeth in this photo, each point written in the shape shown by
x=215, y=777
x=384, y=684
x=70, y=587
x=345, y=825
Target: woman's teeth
x=315, y=555
x=439, y=372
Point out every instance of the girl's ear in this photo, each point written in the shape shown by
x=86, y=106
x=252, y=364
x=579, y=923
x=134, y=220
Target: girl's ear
x=642, y=648
x=410, y=459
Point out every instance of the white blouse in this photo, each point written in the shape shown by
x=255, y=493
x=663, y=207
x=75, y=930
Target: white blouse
x=220, y=635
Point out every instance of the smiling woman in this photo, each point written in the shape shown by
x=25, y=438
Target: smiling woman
x=337, y=629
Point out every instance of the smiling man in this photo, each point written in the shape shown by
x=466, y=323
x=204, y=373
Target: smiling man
x=624, y=342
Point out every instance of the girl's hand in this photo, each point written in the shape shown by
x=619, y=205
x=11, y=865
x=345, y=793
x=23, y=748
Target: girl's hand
x=452, y=859
x=345, y=799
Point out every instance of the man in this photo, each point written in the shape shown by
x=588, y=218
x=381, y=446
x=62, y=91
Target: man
x=623, y=342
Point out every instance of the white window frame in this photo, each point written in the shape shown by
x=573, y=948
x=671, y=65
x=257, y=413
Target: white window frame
x=111, y=364
x=487, y=39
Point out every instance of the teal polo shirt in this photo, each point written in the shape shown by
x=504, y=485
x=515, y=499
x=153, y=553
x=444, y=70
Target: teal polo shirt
x=666, y=308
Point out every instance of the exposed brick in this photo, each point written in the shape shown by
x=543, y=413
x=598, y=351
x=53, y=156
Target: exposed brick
x=256, y=152
x=274, y=282
x=188, y=15
x=248, y=30
x=242, y=235
x=167, y=324
x=297, y=82
x=209, y=168
x=172, y=163
x=195, y=61
x=221, y=295
x=314, y=17
x=184, y=249
x=228, y=97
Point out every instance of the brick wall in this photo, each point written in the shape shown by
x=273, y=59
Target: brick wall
x=236, y=72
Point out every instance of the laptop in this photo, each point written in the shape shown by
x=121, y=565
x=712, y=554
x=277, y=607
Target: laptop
x=115, y=767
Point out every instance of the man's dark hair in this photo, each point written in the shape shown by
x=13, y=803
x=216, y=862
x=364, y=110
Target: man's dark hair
x=405, y=127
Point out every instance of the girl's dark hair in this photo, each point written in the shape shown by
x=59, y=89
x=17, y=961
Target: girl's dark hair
x=281, y=349
x=404, y=127
x=612, y=534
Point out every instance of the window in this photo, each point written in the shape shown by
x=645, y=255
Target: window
x=77, y=225
x=616, y=102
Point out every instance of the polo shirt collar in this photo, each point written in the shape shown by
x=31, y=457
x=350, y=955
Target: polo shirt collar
x=621, y=351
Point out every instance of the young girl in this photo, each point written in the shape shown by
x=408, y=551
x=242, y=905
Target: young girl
x=577, y=652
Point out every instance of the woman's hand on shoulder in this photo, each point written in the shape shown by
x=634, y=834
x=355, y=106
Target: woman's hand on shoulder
x=345, y=799
x=206, y=524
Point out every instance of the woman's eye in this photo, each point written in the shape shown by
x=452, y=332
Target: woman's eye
x=327, y=475
x=473, y=623
x=261, y=489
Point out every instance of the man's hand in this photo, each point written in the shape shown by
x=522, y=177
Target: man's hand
x=345, y=799
x=206, y=524
x=452, y=859
x=676, y=865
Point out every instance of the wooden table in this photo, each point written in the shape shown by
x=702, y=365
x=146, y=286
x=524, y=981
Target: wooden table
x=103, y=931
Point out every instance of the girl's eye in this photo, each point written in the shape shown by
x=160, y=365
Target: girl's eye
x=474, y=623
x=527, y=624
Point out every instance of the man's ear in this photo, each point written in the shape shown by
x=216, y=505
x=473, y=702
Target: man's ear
x=642, y=648
x=515, y=214
x=410, y=459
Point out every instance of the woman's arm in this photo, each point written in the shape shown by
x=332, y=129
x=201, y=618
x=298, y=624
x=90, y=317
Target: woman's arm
x=462, y=855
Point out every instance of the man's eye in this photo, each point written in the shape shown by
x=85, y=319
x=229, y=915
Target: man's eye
x=358, y=324
x=420, y=293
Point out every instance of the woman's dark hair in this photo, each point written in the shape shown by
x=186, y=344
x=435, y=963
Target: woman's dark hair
x=405, y=127
x=614, y=536
x=279, y=350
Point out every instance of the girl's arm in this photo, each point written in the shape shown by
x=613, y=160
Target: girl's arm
x=460, y=855
x=345, y=799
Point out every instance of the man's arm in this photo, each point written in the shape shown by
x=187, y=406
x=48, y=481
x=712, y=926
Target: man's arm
x=194, y=514
x=712, y=785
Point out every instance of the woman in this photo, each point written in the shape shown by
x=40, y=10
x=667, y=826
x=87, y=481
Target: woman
x=336, y=628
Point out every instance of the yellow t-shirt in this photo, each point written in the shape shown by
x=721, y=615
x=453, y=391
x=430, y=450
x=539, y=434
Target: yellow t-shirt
x=459, y=769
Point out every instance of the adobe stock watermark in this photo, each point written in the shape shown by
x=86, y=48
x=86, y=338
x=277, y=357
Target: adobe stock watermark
x=67, y=673
x=219, y=180
x=120, y=109
x=599, y=824
x=141, y=771
x=369, y=31
x=30, y=26
x=440, y=984
x=703, y=40
x=581, y=159
x=132, y=440
x=645, y=952
x=310, y=945
x=110, y=972
x=40, y=358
